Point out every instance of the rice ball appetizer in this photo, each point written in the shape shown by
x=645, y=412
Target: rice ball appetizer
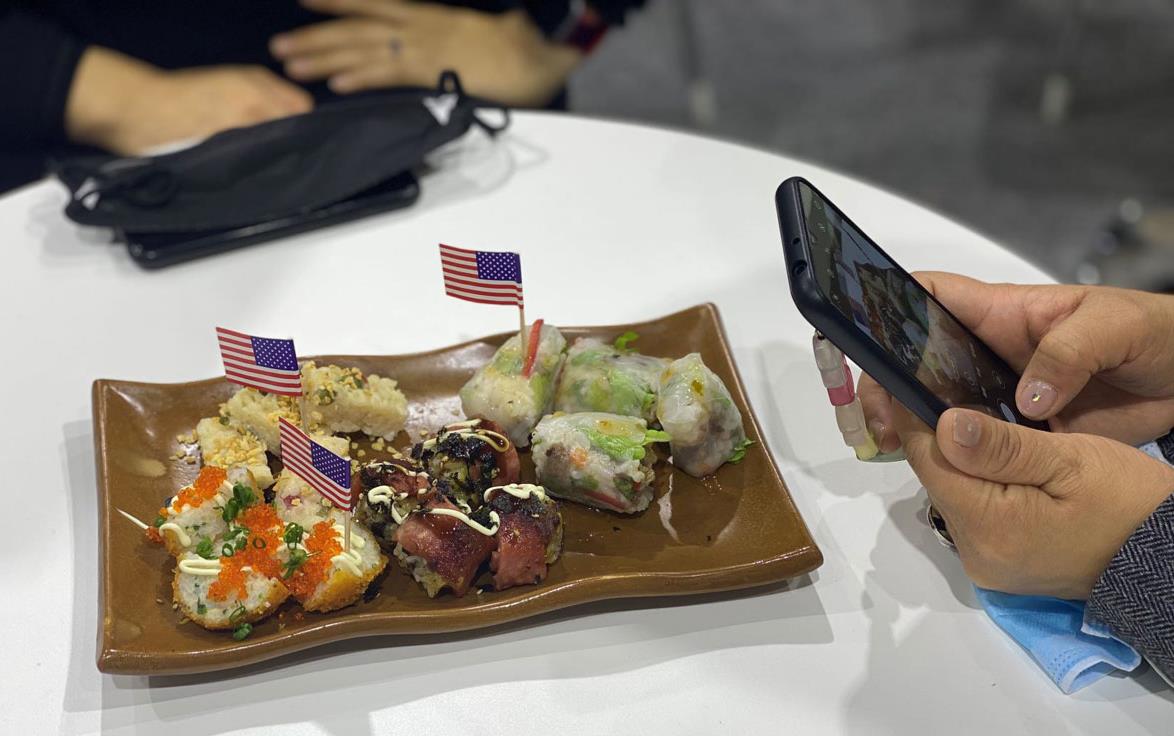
x=515, y=389
x=344, y=400
x=235, y=579
x=320, y=572
x=223, y=445
x=599, y=376
x=597, y=459
x=338, y=400
x=529, y=536
x=471, y=456
x=696, y=410
x=258, y=413
x=389, y=491
x=197, y=511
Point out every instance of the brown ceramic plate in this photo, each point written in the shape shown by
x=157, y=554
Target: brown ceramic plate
x=735, y=529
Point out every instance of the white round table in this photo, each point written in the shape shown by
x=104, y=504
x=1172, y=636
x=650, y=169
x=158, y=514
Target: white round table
x=616, y=223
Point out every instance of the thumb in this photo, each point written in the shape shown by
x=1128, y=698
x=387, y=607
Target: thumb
x=1092, y=339
x=991, y=449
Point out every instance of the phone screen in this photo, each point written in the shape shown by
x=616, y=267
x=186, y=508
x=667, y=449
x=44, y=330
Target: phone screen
x=898, y=314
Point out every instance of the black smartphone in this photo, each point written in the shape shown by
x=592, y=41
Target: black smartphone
x=882, y=318
x=155, y=250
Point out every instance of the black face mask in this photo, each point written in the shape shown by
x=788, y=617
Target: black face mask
x=280, y=169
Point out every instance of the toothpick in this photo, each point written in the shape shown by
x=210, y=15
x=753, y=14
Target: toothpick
x=347, y=533
x=136, y=522
x=522, y=329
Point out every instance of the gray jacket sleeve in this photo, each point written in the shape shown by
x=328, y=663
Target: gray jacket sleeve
x=1134, y=598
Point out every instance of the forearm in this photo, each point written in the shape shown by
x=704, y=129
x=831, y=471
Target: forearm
x=100, y=98
x=1134, y=598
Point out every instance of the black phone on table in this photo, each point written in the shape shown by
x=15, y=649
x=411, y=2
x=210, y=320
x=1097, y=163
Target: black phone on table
x=887, y=323
x=155, y=250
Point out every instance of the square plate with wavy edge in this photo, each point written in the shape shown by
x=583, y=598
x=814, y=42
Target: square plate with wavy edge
x=735, y=529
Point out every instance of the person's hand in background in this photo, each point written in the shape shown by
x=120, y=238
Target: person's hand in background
x=1032, y=512
x=128, y=107
x=1095, y=360
x=385, y=43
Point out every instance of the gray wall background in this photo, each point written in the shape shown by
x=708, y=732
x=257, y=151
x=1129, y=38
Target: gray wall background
x=936, y=99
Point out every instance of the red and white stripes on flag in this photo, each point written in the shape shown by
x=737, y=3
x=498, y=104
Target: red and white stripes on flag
x=482, y=276
x=327, y=473
x=264, y=363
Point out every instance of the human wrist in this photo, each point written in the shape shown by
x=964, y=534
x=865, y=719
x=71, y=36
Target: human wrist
x=101, y=98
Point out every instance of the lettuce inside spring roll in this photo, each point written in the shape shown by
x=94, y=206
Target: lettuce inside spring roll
x=599, y=376
x=596, y=459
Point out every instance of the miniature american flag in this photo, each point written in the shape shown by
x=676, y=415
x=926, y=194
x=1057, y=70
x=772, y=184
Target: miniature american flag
x=482, y=276
x=262, y=363
x=327, y=473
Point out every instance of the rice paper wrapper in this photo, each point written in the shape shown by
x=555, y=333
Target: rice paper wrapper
x=599, y=377
x=499, y=392
x=695, y=408
x=596, y=459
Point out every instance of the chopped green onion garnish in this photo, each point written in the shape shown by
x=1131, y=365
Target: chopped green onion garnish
x=159, y=521
x=242, y=631
x=227, y=551
x=237, y=613
x=204, y=548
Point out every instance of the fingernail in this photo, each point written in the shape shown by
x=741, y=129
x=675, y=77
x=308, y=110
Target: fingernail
x=877, y=428
x=1037, y=398
x=340, y=84
x=967, y=430
x=297, y=68
x=279, y=45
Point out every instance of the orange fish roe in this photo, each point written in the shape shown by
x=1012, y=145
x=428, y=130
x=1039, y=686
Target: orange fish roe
x=205, y=487
x=153, y=532
x=321, y=546
x=259, y=553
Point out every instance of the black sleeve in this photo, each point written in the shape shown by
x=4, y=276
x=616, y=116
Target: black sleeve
x=37, y=62
x=1134, y=597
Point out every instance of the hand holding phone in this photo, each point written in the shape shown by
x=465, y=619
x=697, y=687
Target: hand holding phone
x=850, y=290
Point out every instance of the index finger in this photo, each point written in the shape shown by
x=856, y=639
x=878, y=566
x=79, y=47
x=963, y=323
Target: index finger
x=327, y=36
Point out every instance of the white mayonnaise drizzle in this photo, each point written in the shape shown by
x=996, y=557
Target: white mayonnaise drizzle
x=469, y=522
x=518, y=490
x=350, y=560
x=499, y=442
x=200, y=566
x=180, y=535
x=357, y=542
x=381, y=495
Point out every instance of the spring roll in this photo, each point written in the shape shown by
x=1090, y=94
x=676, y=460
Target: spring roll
x=596, y=459
x=602, y=377
x=499, y=392
x=695, y=409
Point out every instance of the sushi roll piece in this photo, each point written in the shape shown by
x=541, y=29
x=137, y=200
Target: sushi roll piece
x=258, y=413
x=197, y=511
x=515, y=389
x=696, y=410
x=443, y=547
x=471, y=456
x=234, y=579
x=223, y=445
x=599, y=376
x=344, y=400
x=596, y=459
x=530, y=536
x=318, y=569
x=257, y=597
x=390, y=490
x=297, y=501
